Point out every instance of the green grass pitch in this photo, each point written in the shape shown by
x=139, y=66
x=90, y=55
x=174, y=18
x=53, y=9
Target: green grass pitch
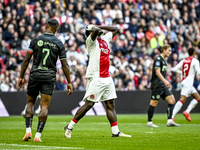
x=94, y=133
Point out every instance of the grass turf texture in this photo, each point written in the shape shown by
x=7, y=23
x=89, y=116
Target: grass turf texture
x=94, y=133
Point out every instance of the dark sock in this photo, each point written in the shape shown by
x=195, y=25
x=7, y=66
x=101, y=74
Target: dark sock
x=150, y=112
x=169, y=111
x=29, y=122
x=40, y=127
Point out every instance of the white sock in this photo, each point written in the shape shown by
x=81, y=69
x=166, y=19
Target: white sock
x=169, y=120
x=192, y=104
x=114, y=128
x=38, y=134
x=177, y=108
x=28, y=129
x=72, y=124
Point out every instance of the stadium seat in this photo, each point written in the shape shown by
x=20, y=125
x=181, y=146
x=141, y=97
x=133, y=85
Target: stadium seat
x=8, y=45
x=31, y=6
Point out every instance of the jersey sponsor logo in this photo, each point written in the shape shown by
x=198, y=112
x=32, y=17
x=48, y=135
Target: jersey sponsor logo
x=50, y=44
x=164, y=68
x=40, y=43
x=106, y=51
x=43, y=68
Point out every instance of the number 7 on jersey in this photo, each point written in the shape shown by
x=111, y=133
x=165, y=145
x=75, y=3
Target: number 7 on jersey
x=47, y=54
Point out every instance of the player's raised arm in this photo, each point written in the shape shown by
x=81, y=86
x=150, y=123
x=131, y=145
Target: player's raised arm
x=23, y=69
x=66, y=72
x=114, y=30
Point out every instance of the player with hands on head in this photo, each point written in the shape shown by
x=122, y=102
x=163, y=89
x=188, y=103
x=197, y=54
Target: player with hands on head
x=45, y=50
x=100, y=86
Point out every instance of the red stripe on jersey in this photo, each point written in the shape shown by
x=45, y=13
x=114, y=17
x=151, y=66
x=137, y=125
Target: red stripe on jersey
x=104, y=58
x=186, y=67
x=29, y=51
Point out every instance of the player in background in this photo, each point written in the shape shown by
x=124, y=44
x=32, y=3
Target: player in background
x=45, y=50
x=187, y=68
x=159, y=87
x=100, y=86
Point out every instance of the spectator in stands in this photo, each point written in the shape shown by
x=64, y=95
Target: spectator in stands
x=8, y=33
x=60, y=85
x=4, y=51
x=65, y=28
x=15, y=42
x=26, y=42
x=138, y=22
x=11, y=64
x=183, y=54
x=30, y=32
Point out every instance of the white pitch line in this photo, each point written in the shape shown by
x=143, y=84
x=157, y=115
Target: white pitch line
x=151, y=132
x=45, y=147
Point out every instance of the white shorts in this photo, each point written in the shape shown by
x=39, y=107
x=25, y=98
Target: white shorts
x=187, y=91
x=100, y=89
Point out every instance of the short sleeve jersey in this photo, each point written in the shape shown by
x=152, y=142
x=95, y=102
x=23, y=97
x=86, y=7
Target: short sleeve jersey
x=156, y=83
x=189, y=66
x=99, y=52
x=45, y=49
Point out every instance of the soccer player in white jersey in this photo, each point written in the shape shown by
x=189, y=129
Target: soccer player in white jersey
x=187, y=67
x=100, y=86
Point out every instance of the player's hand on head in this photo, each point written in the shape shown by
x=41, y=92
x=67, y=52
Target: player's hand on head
x=69, y=89
x=20, y=84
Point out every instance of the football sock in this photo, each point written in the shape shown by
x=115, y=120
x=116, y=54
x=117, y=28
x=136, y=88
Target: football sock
x=192, y=104
x=28, y=124
x=169, y=110
x=72, y=124
x=177, y=108
x=150, y=113
x=38, y=134
x=114, y=128
x=40, y=127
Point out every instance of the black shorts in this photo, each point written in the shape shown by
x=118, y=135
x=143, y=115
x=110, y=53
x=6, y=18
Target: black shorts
x=156, y=94
x=45, y=87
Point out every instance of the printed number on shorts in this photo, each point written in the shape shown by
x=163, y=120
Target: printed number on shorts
x=185, y=69
x=47, y=54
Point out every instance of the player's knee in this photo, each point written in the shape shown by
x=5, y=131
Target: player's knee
x=154, y=103
x=29, y=111
x=172, y=101
x=89, y=105
x=43, y=115
x=110, y=104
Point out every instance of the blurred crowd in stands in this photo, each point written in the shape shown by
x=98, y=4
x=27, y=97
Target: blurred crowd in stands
x=144, y=26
